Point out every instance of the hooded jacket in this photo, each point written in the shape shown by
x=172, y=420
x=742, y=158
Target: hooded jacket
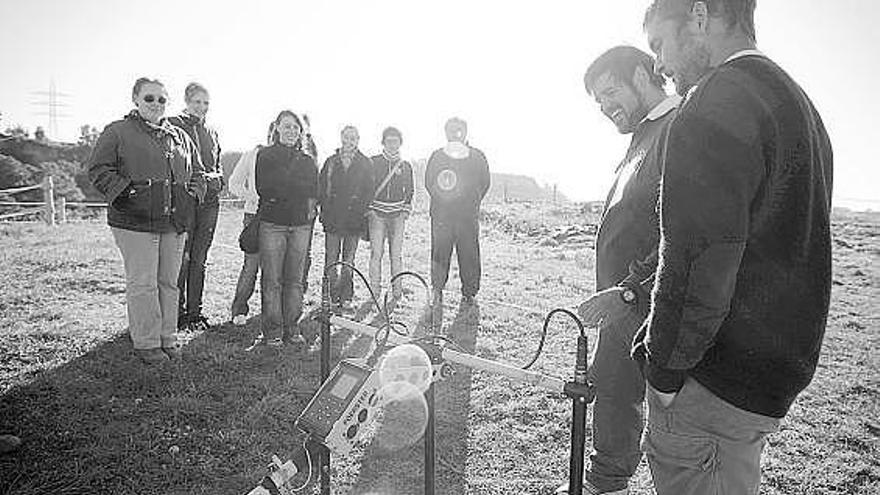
x=151, y=175
x=208, y=145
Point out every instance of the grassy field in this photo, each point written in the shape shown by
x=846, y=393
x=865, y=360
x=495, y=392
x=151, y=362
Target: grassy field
x=96, y=421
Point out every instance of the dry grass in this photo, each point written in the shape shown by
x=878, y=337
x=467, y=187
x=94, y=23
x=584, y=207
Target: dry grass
x=95, y=421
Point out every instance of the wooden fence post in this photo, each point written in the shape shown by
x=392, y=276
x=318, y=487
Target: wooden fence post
x=49, y=197
x=62, y=209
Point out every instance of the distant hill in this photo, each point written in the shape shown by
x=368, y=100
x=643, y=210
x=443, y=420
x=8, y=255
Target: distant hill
x=28, y=160
x=35, y=152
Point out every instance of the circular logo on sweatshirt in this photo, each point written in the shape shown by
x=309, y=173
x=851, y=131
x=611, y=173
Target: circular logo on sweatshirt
x=446, y=180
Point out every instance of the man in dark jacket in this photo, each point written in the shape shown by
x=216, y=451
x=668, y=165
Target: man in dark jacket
x=345, y=188
x=457, y=179
x=623, y=82
x=743, y=283
x=191, y=281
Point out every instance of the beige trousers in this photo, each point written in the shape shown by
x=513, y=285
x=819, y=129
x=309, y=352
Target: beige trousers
x=702, y=445
x=152, y=265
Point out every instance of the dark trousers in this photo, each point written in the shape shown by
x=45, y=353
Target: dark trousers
x=463, y=234
x=247, y=277
x=339, y=278
x=617, y=412
x=191, y=281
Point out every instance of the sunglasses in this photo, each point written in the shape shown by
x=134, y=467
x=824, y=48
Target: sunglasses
x=151, y=98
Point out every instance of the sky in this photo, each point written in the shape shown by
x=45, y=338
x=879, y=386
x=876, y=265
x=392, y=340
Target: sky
x=512, y=70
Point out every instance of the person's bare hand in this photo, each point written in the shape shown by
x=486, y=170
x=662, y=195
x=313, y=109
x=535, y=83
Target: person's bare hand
x=603, y=306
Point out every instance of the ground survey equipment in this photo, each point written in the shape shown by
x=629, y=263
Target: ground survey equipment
x=350, y=396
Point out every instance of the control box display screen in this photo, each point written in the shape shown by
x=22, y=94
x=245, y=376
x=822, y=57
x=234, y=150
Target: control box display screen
x=343, y=386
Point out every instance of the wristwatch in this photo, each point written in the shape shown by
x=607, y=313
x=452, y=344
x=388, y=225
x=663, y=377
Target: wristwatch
x=629, y=295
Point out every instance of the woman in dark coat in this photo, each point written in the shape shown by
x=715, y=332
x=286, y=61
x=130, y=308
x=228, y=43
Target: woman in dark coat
x=151, y=174
x=287, y=185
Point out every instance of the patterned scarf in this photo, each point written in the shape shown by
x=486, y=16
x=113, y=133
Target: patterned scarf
x=391, y=157
x=163, y=131
x=346, y=157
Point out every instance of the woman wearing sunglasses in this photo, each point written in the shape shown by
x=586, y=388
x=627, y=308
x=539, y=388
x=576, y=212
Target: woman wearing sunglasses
x=287, y=185
x=151, y=174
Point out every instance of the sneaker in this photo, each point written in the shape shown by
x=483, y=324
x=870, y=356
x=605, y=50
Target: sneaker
x=182, y=321
x=199, y=323
x=152, y=356
x=239, y=320
x=590, y=489
x=9, y=444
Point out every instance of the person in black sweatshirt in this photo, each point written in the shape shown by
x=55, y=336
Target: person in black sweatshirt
x=191, y=282
x=345, y=190
x=457, y=179
x=742, y=287
x=631, y=95
x=287, y=185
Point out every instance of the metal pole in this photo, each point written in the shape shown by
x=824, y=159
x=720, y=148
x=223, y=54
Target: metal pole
x=429, y=443
x=578, y=421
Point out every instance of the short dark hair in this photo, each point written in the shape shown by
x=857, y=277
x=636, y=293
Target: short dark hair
x=141, y=81
x=736, y=12
x=284, y=113
x=621, y=63
x=391, y=131
x=191, y=90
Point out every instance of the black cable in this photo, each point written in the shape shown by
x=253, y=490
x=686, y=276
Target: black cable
x=388, y=325
x=388, y=320
x=544, y=332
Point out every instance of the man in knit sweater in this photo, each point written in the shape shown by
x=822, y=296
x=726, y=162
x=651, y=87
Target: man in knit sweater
x=743, y=282
x=631, y=95
x=457, y=179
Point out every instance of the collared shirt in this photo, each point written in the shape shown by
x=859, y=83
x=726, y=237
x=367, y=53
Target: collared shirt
x=668, y=104
x=627, y=167
x=744, y=53
x=629, y=230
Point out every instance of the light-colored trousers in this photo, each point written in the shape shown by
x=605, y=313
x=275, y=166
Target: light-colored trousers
x=384, y=229
x=700, y=444
x=152, y=265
